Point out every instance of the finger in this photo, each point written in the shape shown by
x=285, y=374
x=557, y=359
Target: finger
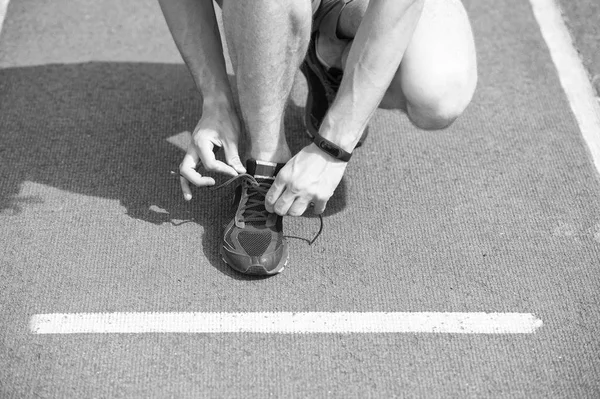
x=197, y=179
x=319, y=207
x=298, y=207
x=273, y=195
x=284, y=203
x=187, y=170
x=190, y=160
x=185, y=187
x=232, y=156
x=210, y=162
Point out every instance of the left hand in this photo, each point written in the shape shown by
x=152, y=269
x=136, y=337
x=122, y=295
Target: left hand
x=308, y=178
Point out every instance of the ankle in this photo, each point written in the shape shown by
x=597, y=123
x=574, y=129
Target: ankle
x=277, y=156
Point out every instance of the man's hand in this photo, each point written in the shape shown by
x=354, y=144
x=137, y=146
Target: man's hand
x=308, y=178
x=220, y=128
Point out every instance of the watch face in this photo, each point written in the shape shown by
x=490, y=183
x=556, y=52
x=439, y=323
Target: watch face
x=330, y=149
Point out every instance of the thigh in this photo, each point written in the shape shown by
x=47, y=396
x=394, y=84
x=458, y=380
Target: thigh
x=440, y=60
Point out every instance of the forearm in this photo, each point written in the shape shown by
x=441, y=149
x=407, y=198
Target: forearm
x=376, y=53
x=195, y=31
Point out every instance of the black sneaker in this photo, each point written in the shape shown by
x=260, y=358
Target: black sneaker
x=253, y=241
x=323, y=85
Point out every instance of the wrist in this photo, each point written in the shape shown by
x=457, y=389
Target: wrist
x=314, y=149
x=218, y=103
x=339, y=134
x=332, y=149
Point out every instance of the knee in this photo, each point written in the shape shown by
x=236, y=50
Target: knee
x=300, y=16
x=279, y=19
x=436, y=115
x=436, y=107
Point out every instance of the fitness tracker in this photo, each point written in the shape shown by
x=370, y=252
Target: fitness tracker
x=332, y=149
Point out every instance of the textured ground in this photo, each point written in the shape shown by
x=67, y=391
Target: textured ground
x=583, y=19
x=499, y=213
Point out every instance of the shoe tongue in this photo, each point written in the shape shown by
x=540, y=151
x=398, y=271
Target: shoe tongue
x=262, y=169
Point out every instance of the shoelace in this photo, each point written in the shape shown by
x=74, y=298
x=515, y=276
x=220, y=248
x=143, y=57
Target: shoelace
x=256, y=199
x=254, y=208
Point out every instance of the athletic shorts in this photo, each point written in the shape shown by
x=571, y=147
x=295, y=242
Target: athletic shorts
x=326, y=14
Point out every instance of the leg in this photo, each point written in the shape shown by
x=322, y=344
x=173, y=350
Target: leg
x=267, y=42
x=438, y=74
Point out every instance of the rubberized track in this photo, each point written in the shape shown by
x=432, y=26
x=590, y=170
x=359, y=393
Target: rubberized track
x=499, y=213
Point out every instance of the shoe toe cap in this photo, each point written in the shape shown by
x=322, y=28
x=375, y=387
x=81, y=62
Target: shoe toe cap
x=266, y=264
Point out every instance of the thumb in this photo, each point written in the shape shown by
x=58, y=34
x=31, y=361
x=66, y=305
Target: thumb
x=232, y=156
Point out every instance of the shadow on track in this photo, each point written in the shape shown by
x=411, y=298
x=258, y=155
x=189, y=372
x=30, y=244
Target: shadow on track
x=100, y=129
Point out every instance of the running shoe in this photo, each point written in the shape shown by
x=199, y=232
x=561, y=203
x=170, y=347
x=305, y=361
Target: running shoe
x=253, y=241
x=323, y=84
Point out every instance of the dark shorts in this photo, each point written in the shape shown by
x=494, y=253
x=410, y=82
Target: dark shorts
x=326, y=14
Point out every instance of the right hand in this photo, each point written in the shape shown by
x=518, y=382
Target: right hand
x=221, y=129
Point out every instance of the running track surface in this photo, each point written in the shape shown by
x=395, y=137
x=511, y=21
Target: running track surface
x=499, y=213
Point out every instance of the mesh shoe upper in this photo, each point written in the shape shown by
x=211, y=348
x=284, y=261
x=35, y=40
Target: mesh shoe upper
x=253, y=240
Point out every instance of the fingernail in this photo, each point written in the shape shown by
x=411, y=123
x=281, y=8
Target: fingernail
x=187, y=197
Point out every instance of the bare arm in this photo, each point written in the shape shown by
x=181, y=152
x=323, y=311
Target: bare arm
x=379, y=45
x=194, y=28
x=376, y=53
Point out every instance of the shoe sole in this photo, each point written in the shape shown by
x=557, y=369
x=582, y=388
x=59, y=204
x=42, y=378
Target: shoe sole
x=258, y=270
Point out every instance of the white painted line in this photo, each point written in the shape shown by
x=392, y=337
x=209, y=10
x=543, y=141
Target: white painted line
x=571, y=72
x=285, y=323
x=3, y=7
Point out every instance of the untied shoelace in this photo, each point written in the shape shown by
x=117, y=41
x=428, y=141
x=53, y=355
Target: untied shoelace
x=254, y=208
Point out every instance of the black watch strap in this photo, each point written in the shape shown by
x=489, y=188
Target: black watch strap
x=332, y=149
